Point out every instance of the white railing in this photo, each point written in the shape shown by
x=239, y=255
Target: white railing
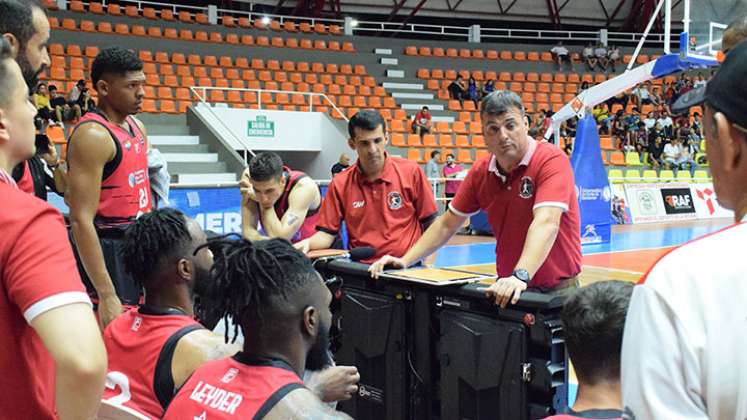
x=453, y=32
x=201, y=93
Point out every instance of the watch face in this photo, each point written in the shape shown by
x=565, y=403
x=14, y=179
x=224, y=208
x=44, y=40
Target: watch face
x=522, y=275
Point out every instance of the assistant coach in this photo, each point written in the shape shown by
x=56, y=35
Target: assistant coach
x=527, y=189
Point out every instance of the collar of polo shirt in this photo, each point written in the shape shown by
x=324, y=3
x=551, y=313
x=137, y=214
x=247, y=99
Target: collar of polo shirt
x=493, y=165
x=386, y=175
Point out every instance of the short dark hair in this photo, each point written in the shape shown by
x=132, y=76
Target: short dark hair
x=114, y=60
x=593, y=321
x=499, y=102
x=16, y=17
x=425, y=108
x=265, y=166
x=450, y=154
x=153, y=240
x=6, y=58
x=51, y=88
x=434, y=153
x=255, y=280
x=366, y=119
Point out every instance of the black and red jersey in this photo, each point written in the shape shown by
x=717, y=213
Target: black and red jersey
x=238, y=387
x=308, y=228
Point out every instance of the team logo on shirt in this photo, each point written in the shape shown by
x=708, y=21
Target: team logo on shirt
x=136, y=323
x=128, y=146
x=526, y=188
x=394, y=199
x=202, y=416
x=230, y=375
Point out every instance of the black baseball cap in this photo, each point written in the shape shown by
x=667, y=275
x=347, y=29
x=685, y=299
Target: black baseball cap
x=726, y=91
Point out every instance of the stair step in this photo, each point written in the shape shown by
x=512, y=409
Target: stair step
x=173, y=140
x=183, y=148
x=190, y=157
x=196, y=167
x=434, y=107
x=383, y=51
x=408, y=95
x=406, y=86
x=395, y=74
x=390, y=61
x=213, y=178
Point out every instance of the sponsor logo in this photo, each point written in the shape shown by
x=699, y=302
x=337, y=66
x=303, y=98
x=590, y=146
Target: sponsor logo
x=706, y=195
x=677, y=200
x=136, y=178
x=136, y=323
x=127, y=145
x=646, y=203
x=394, y=199
x=590, y=235
x=359, y=204
x=591, y=194
x=230, y=375
x=371, y=393
x=260, y=127
x=526, y=188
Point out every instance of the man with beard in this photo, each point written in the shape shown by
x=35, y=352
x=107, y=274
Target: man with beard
x=273, y=292
x=107, y=180
x=155, y=348
x=24, y=25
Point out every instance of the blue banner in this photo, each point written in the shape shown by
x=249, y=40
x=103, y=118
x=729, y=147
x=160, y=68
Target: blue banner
x=592, y=184
x=215, y=209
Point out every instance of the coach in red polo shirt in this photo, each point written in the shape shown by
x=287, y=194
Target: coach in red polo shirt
x=527, y=189
x=385, y=200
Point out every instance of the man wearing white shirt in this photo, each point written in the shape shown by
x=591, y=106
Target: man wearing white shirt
x=560, y=52
x=666, y=123
x=671, y=153
x=683, y=354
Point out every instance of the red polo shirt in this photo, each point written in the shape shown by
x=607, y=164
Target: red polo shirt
x=543, y=178
x=386, y=213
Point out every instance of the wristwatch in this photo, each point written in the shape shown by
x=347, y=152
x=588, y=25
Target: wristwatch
x=522, y=275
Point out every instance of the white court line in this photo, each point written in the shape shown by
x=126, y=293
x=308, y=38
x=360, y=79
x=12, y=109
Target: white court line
x=612, y=269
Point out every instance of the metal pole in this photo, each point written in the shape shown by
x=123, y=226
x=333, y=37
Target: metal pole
x=667, y=26
x=645, y=34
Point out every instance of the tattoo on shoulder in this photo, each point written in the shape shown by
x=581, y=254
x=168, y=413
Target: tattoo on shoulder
x=292, y=218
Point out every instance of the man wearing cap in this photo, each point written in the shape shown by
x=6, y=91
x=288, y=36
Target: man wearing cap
x=683, y=354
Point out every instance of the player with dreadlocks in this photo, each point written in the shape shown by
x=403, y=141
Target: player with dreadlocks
x=279, y=300
x=154, y=349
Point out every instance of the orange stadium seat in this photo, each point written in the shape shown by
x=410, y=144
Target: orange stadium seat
x=149, y=13
x=87, y=26
x=202, y=19
x=132, y=11
x=167, y=14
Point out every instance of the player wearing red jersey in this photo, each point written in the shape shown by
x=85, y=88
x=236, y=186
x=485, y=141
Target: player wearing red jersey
x=108, y=177
x=282, y=305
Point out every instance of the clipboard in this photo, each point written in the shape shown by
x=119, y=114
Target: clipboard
x=436, y=276
x=326, y=253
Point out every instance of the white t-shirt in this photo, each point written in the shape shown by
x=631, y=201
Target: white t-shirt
x=665, y=122
x=588, y=52
x=684, y=353
x=642, y=93
x=671, y=151
x=601, y=52
x=559, y=50
x=649, y=123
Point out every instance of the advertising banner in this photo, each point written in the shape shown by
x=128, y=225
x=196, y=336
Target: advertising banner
x=592, y=185
x=215, y=209
x=661, y=202
x=706, y=205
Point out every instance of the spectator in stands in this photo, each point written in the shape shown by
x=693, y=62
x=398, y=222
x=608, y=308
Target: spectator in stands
x=458, y=89
x=451, y=170
x=642, y=95
x=691, y=301
x=666, y=124
x=73, y=97
x=593, y=323
x=43, y=108
x=697, y=125
x=656, y=98
x=341, y=165
x=641, y=139
x=655, y=151
x=699, y=81
x=281, y=304
x=283, y=201
x=601, y=53
x=735, y=33
x=589, y=57
x=488, y=88
x=105, y=191
x=166, y=252
x=421, y=124
x=583, y=86
x=621, y=98
x=473, y=91
x=617, y=127
x=561, y=54
x=538, y=238
x=432, y=171
x=614, y=56
x=60, y=107
x=650, y=120
x=386, y=201
x=686, y=158
x=671, y=154
x=53, y=360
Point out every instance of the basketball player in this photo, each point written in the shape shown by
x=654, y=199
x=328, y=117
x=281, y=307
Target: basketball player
x=283, y=201
x=108, y=184
x=282, y=305
x=154, y=349
x=52, y=361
